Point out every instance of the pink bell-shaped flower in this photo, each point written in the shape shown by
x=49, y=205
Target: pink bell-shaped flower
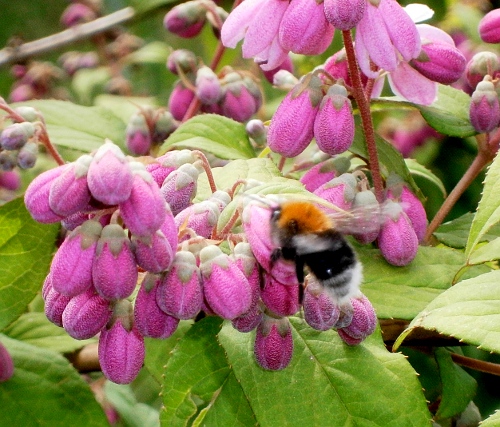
x=273, y=343
x=489, y=27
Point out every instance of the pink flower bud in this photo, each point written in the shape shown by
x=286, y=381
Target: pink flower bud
x=334, y=123
x=138, y=137
x=36, y=197
x=339, y=191
x=344, y=14
x=55, y=303
x=183, y=59
x=489, y=27
x=241, y=97
x=280, y=298
x=273, y=343
x=6, y=364
x=150, y=320
x=257, y=227
x=10, y=180
x=225, y=287
x=320, y=311
x=257, y=131
x=155, y=253
x=22, y=92
x=144, y=212
x=169, y=162
x=28, y=155
x=208, y=88
x=85, y=315
x=179, y=100
x=397, y=240
x=484, y=112
x=71, y=267
x=286, y=65
x=114, y=271
x=438, y=61
x=364, y=322
x=77, y=13
x=179, y=188
x=109, y=176
x=248, y=321
x=304, y=28
x=345, y=315
x=248, y=265
x=323, y=172
x=482, y=64
x=14, y=136
x=368, y=224
x=186, y=19
x=180, y=292
x=164, y=125
x=292, y=125
x=29, y=114
x=121, y=346
x=8, y=160
x=69, y=193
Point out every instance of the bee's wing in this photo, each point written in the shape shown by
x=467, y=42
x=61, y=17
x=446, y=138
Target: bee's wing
x=359, y=220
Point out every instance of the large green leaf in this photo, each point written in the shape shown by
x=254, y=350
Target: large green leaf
x=492, y=420
x=45, y=390
x=488, y=210
x=469, y=311
x=26, y=249
x=418, y=170
x=35, y=329
x=215, y=134
x=403, y=292
x=79, y=128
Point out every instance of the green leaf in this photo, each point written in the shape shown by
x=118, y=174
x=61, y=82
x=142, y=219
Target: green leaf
x=492, y=420
x=403, y=292
x=88, y=82
x=488, y=210
x=124, y=106
x=215, y=134
x=416, y=169
x=155, y=52
x=35, y=329
x=469, y=311
x=79, y=128
x=134, y=413
x=45, y=390
x=485, y=253
x=197, y=376
x=459, y=388
x=328, y=383
x=26, y=249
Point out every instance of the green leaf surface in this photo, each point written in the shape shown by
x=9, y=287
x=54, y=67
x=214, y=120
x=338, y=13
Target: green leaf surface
x=485, y=253
x=459, y=388
x=328, y=383
x=416, y=169
x=212, y=133
x=403, y=292
x=132, y=412
x=26, y=249
x=45, y=390
x=488, y=210
x=124, y=106
x=79, y=128
x=197, y=376
x=88, y=82
x=469, y=311
x=492, y=420
x=155, y=52
x=35, y=329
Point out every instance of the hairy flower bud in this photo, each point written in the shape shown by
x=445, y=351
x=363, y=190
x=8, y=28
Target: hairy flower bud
x=248, y=321
x=320, y=311
x=208, y=88
x=179, y=187
x=150, y=320
x=55, y=302
x=280, y=298
x=10, y=180
x=304, y=28
x=77, y=13
x=6, y=364
x=367, y=225
x=286, y=65
x=334, y=123
x=344, y=14
x=69, y=193
x=179, y=100
x=114, y=271
x=339, y=191
x=323, y=172
x=14, y=136
x=484, y=112
x=489, y=27
x=180, y=292
x=241, y=97
x=364, y=322
x=183, y=59
x=169, y=162
x=225, y=287
x=291, y=128
x=28, y=155
x=397, y=240
x=273, y=343
x=85, y=315
x=164, y=125
x=109, y=176
x=482, y=64
x=71, y=267
x=138, y=137
x=186, y=19
x=121, y=346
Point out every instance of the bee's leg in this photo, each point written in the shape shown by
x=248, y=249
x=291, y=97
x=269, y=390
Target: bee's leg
x=276, y=254
x=299, y=271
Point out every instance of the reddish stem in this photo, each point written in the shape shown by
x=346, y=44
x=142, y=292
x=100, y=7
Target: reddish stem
x=208, y=170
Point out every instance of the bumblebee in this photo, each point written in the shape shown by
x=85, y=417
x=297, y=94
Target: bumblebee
x=304, y=234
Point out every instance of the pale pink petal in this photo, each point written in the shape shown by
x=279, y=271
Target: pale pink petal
x=434, y=34
x=378, y=85
x=272, y=57
x=401, y=29
x=373, y=35
x=363, y=57
x=236, y=24
x=413, y=86
x=265, y=27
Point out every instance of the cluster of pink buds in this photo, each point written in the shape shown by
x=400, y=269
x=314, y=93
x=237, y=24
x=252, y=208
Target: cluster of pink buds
x=308, y=111
x=229, y=93
x=19, y=141
x=148, y=128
